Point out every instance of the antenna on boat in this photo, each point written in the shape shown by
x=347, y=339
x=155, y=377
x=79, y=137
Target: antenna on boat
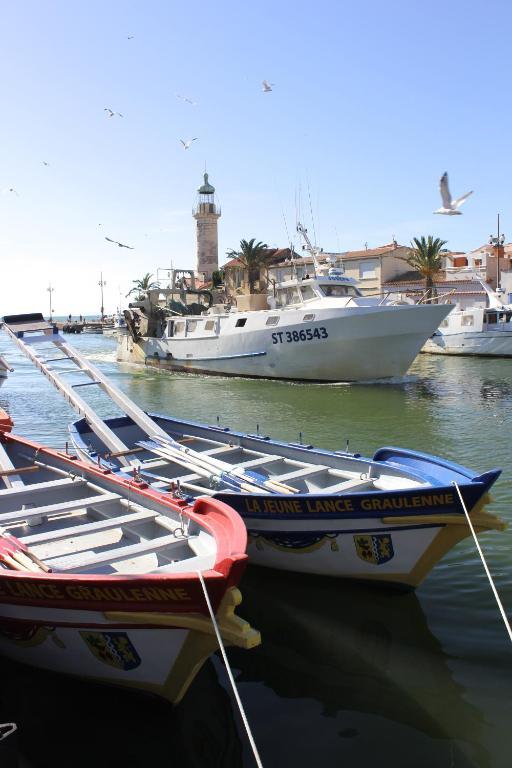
x=309, y=247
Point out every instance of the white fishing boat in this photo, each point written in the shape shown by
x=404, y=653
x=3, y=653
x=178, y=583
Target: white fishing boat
x=387, y=518
x=316, y=328
x=104, y=578
x=478, y=330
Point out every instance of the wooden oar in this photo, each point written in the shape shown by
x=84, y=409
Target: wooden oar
x=194, y=464
x=226, y=470
x=13, y=548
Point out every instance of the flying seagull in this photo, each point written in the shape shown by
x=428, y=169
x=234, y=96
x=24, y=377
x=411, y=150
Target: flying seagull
x=111, y=113
x=187, y=143
x=185, y=98
x=130, y=37
x=267, y=86
x=121, y=245
x=45, y=163
x=450, y=207
x=10, y=189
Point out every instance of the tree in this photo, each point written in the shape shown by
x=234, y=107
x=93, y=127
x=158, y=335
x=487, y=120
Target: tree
x=252, y=256
x=143, y=285
x=426, y=258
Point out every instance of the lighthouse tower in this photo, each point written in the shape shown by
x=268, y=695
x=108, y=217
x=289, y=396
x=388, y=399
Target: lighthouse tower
x=206, y=214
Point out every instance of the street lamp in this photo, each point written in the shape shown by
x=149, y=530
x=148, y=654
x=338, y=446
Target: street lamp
x=50, y=291
x=101, y=283
x=497, y=241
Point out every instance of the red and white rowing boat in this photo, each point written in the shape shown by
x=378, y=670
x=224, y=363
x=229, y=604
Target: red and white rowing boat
x=108, y=579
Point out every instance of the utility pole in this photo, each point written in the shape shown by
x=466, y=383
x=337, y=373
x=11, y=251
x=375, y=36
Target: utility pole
x=101, y=283
x=497, y=241
x=50, y=291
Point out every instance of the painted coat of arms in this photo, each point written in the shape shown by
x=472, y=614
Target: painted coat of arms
x=112, y=648
x=375, y=548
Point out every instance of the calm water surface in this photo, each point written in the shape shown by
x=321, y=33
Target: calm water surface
x=347, y=675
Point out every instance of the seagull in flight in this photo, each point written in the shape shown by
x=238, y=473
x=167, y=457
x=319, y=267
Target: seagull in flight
x=130, y=37
x=121, y=245
x=267, y=86
x=185, y=98
x=45, y=163
x=187, y=143
x=450, y=207
x=111, y=113
x=10, y=189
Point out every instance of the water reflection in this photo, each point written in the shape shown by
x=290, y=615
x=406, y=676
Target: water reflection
x=368, y=659
x=63, y=722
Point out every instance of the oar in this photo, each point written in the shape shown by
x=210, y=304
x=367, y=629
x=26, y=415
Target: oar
x=13, y=549
x=194, y=464
x=248, y=476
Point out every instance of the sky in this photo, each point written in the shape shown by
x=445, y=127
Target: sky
x=372, y=101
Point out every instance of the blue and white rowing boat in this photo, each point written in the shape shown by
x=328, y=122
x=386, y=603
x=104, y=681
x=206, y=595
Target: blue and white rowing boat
x=387, y=518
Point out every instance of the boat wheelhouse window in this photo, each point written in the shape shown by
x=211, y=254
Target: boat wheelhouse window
x=468, y=320
x=292, y=295
x=445, y=323
x=338, y=291
x=179, y=327
x=241, y=322
x=209, y=325
x=273, y=320
x=191, y=326
x=492, y=317
x=308, y=318
x=307, y=292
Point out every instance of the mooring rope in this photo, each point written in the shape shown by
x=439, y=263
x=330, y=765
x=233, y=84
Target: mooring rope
x=500, y=605
x=230, y=674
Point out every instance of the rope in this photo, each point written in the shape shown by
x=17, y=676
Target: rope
x=500, y=605
x=230, y=674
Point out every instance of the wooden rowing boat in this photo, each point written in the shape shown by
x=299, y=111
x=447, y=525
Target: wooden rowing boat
x=105, y=578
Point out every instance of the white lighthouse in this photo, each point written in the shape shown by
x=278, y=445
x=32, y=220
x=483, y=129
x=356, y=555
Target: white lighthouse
x=206, y=214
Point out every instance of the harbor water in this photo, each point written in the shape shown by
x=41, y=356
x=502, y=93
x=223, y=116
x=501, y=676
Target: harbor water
x=347, y=674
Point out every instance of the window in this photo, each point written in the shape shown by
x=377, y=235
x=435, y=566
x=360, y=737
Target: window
x=292, y=296
x=179, y=327
x=445, y=323
x=237, y=277
x=308, y=318
x=467, y=320
x=368, y=269
x=240, y=323
x=307, y=292
x=191, y=326
x=300, y=271
x=338, y=291
x=273, y=320
x=209, y=325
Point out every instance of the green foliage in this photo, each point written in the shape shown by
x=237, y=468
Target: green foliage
x=252, y=256
x=217, y=278
x=143, y=285
x=426, y=258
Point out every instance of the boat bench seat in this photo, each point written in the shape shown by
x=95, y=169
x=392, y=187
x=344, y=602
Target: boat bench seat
x=348, y=485
x=95, y=526
x=8, y=518
x=306, y=471
x=80, y=561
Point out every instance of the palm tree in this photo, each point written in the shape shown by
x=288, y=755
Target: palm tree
x=252, y=256
x=426, y=259
x=141, y=286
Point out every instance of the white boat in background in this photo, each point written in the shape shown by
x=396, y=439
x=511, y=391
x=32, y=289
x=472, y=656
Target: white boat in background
x=106, y=579
x=476, y=330
x=318, y=328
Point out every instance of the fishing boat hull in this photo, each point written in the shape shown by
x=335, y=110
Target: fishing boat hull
x=353, y=344
x=394, y=536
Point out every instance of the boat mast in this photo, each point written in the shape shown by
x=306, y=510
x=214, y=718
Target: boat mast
x=309, y=247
